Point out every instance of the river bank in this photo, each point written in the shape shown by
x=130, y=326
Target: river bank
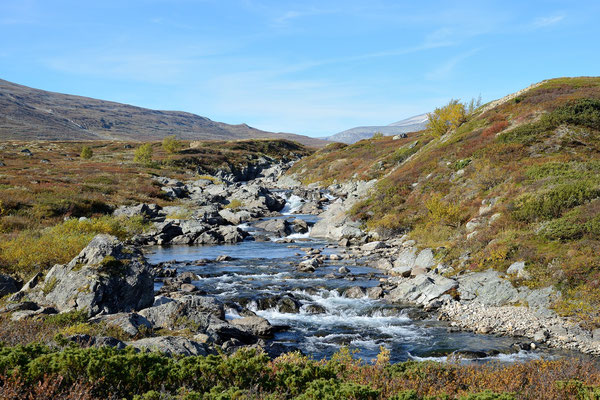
x=345, y=288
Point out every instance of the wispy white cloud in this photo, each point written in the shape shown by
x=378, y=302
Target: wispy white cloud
x=289, y=16
x=445, y=69
x=543, y=22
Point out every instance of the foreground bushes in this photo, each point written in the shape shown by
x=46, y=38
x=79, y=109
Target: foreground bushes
x=109, y=373
x=29, y=252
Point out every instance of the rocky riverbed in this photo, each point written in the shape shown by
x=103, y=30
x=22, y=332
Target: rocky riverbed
x=271, y=264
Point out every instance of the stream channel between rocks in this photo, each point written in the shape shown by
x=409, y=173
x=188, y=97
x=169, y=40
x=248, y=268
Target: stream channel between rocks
x=319, y=320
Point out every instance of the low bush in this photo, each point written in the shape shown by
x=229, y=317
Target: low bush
x=29, y=252
x=111, y=373
x=552, y=203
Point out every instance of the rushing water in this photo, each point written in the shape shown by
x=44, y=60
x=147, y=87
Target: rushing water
x=261, y=271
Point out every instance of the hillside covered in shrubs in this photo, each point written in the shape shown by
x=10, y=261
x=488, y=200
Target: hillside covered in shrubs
x=516, y=180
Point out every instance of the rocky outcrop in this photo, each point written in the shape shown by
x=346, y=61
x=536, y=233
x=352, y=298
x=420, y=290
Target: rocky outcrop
x=106, y=277
x=129, y=323
x=171, y=345
x=334, y=223
x=188, y=312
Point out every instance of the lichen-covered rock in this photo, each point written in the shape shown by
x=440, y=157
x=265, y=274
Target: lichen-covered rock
x=188, y=312
x=256, y=325
x=171, y=345
x=105, y=277
x=130, y=323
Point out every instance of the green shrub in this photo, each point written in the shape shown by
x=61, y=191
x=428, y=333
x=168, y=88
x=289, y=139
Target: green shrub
x=552, y=203
x=581, y=112
x=489, y=395
x=460, y=164
x=406, y=395
x=86, y=152
x=143, y=154
x=332, y=389
x=404, y=152
x=171, y=145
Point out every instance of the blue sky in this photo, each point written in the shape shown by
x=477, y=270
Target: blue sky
x=309, y=67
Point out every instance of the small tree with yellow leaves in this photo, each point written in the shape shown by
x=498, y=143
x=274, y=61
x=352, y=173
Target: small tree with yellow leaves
x=446, y=118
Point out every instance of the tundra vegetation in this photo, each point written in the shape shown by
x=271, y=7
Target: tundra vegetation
x=515, y=181
x=41, y=203
x=40, y=372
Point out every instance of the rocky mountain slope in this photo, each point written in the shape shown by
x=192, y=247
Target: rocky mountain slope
x=353, y=135
x=518, y=182
x=33, y=114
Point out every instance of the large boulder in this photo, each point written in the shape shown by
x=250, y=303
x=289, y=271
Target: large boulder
x=130, y=323
x=142, y=209
x=279, y=227
x=170, y=345
x=422, y=289
x=256, y=325
x=196, y=313
x=487, y=288
x=105, y=277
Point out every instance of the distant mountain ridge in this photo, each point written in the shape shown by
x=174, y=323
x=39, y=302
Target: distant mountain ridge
x=412, y=124
x=33, y=114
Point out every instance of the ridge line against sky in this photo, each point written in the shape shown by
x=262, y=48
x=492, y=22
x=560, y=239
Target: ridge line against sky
x=309, y=67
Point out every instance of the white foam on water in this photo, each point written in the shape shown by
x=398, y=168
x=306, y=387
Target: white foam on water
x=520, y=356
x=343, y=319
x=231, y=314
x=305, y=235
x=293, y=204
x=245, y=227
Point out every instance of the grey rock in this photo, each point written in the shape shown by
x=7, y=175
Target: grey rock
x=518, y=269
x=96, y=341
x=372, y=246
x=279, y=227
x=343, y=270
x=232, y=234
x=354, y=292
x=405, y=260
x=375, y=293
x=21, y=315
x=288, y=305
x=130, y=323
x=541, y=336
x=315, y=309
x=188, y=288
x=487, y=288
x=26, y=305
x=299, y=226
x=171, y=345
x=422, y=289
x=256, y=325
x=236, y=217
x=383, y=264
x=190, y=311
x=193, y=227
x=145, y=210
x=425, y=259
x=105, y=277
